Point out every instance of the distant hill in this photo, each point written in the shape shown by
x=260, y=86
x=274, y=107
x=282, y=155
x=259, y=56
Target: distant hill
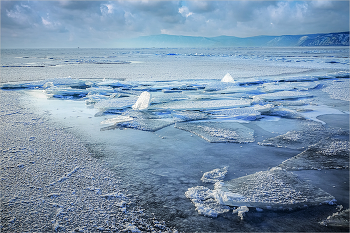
x=163, y=41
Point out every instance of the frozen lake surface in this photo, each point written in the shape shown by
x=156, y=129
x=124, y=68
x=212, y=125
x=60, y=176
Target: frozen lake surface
x=239, y=139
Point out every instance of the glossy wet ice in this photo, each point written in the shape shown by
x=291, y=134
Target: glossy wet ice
x=270, y=112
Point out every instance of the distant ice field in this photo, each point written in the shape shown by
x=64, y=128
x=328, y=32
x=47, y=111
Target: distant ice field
x=265, y=126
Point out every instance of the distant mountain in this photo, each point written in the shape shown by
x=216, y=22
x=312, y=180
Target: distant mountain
x=163, y=41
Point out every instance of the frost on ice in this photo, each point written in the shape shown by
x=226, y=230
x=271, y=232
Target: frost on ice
x=311, y=133
x=215, y=175
x=329, y=154
x=273, y=189
x=338, y=219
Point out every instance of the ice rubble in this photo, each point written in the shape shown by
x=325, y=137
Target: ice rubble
x=219, y=131
x=215, y=175
x=275, y=189
x=328, y=154
x=338, y=219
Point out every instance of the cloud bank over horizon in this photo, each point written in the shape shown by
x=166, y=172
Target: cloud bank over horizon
x=28, y=24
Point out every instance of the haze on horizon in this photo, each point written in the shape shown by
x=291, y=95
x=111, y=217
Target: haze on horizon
x=101, y=24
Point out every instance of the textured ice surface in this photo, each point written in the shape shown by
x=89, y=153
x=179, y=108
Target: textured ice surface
x=288, y=86
x=311, y=112
x=310, y=134
x=248, y=113
x=202, y=105
x=215, y=175
x=143, y=101
x=338, y=219
x=282, y=95
x=272, y=189
x=339, y=90
x=227, y=79
x=240, y=211
x=328, y=154
x=116, y=120
x=219, y=131
x=204, y=200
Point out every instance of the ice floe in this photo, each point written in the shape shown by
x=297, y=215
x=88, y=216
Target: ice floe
x=272, y=189
x=338, y=219
x=219, y=131
x=327, y=154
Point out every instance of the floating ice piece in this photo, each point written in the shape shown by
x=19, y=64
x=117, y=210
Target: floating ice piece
x=66, y=93
x=285, y=112
x=202, y=105
x=189, y=115
x=227, y=79
x=219, y=131
x=272, y=189
x=116, y=120
x=215, y=175
x=146, y=124
x=143, y=101
x=338, y=219
x=282, y=95
x=117, y=103
x=288, y=86
x=240, y=211
x=248, y=113
x=339, y=90
x=311, y=133
x=204, y=201
x=328, y=154
x=311, y=112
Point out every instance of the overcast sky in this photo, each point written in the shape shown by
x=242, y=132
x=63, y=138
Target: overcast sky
x=103, y=23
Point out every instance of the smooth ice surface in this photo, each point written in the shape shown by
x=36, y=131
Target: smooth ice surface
x=273, y=189
x=327, y=154
x=116, y=120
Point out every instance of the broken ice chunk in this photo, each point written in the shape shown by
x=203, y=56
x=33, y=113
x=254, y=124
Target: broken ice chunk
x=204, y=201
x=219, y=131
x=116, y=120
x=215, y=175
x=328, y=154
x=282, y=95
x=227, y=79
x=273, y=189
x=202, y=105
x=248, y=113
x=338, y=219
x=310, y=134
x=143, y=101
x=240, y=211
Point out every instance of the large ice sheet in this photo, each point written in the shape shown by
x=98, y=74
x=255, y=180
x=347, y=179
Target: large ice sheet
x=282, y=95
x=288, y=86
x=272, y=189
x=328, y=154
x=219, y=131
x=116, y=103
x=202, y=105
x=248, y=113
x=310, y=134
